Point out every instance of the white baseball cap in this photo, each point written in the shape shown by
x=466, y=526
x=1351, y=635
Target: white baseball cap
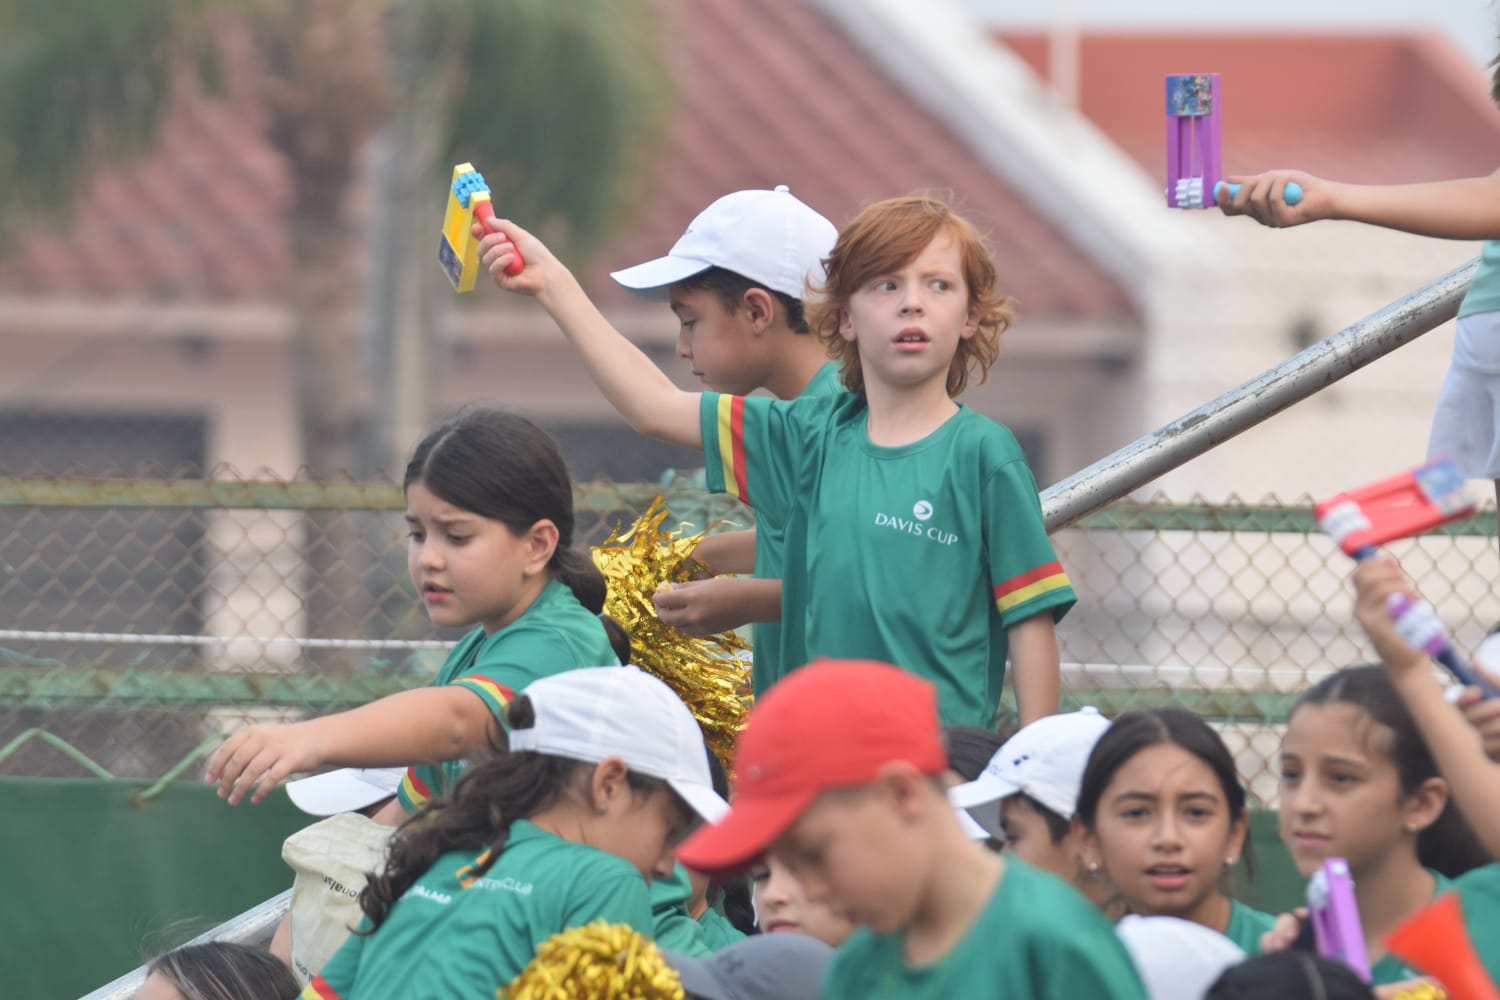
x=767, y=236
x=1177, y=959
x=344, y=790
x=594, y=713
x=1045, y=760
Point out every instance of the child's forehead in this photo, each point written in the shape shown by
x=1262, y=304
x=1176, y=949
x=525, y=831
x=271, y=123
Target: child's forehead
x=943, y=251
x=1337, y=728
x=1167, y=767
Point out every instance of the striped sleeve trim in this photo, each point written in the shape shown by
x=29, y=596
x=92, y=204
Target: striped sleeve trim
x=414, y=792
x=319, y=989
x=495, y=694
x=1030, y=585
x=731, y=434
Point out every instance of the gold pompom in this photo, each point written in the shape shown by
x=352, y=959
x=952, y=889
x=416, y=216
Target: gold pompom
x=599, y=961
x=707, y=673
x=1422, y=991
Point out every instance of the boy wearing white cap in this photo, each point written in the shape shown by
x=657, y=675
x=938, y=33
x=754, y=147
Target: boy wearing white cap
x=606, y=772
x=735, y=281
x=914, y=532
x=1028, y=794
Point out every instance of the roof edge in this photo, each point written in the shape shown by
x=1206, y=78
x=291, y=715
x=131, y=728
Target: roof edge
x=948, y=60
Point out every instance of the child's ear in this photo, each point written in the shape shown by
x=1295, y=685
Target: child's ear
x=1235, y=849
x=1088, y=847
x=541, y=543
x=909, y=788
x=1424, y=805
x=608, y=784
x=971, y=322
x=760, y=309
x=846, y=325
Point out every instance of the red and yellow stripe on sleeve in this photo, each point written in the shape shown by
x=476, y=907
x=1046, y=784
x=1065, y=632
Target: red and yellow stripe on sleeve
x=732, y=445
x=496, y=694
x=318, y=989
x=414, y=791
x=1029, y=585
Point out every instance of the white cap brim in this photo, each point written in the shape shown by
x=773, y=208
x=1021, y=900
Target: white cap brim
x=985, y=788
x=344, y=790
x=972, y=829
x=702, y=799
x=652, y=279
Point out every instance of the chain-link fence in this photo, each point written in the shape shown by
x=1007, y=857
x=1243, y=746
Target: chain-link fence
x=140, y=618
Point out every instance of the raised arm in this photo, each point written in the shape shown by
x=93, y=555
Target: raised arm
x=1464, y=209
x=636, y=388
x=1473, y=779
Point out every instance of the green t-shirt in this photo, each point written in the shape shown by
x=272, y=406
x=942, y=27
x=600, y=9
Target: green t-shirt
x=718, y=932
x=1038, y=939
x=1391, y=969
x=921, y=555
x=554, y=634
x=1479, y=895
x=452, y=935
x=673, y=927
x=1246, y=925
x=776, y=646
x=1484, y=289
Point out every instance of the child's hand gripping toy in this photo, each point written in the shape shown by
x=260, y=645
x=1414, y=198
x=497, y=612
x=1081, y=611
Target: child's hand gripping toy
x=1194, y=165
x=1334, y=915
x=458, y=251
x=1403, y=505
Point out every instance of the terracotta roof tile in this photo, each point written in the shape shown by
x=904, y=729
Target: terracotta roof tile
x=1368, y=108
x=770, y=92
x=775, y=93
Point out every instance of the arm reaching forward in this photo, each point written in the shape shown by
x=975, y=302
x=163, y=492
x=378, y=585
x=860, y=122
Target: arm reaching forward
x=636, y=388
x=1465, y=209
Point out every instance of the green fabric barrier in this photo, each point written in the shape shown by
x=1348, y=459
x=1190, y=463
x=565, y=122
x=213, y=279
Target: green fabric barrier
x=95, y=884
x=1277, y=887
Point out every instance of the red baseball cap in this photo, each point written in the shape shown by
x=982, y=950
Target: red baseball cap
x=832, y=724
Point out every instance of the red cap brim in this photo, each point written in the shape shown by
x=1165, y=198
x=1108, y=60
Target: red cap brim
x=738, y=840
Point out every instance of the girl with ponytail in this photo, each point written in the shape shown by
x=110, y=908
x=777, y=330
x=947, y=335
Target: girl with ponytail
x=606, y=772
x=1358, y=781
x=489, y=511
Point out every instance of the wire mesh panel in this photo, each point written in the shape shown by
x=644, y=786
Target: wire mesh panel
x=142, y=617
x=1232, y=610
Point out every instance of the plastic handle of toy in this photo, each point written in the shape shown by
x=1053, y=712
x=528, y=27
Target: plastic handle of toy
x=485, y=213
x=1291, y=194
x=1418, y=624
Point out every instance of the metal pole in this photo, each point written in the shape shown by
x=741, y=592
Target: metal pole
x=254, y=927
x=1267, y=394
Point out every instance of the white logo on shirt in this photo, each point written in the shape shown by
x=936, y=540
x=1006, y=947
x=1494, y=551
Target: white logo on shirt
x=917, y=528
x=506, y=884
x=922, y=511
x=426, y=893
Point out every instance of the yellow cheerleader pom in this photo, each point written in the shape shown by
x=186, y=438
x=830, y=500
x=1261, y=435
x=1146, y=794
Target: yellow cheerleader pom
x=707, y=673
x=599, y=961
x=1425, y=991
